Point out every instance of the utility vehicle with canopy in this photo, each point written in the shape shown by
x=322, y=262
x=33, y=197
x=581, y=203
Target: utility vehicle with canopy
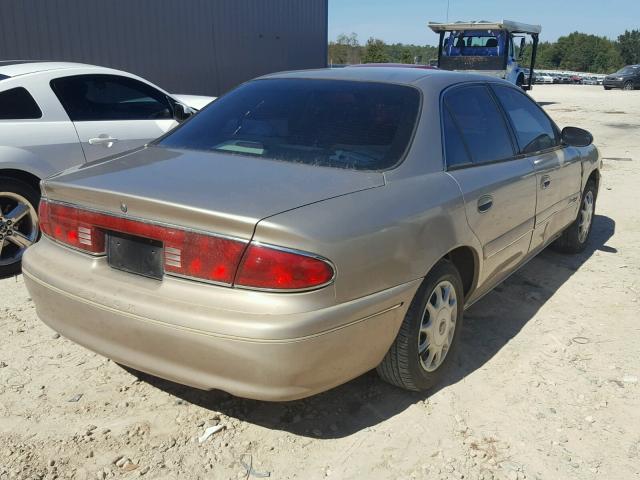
x=487, y=48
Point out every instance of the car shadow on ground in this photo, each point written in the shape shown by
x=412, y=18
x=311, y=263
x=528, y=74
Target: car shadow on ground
x=366, y=401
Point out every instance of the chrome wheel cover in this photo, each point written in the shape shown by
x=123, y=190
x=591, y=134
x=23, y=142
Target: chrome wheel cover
x=437, y=326
x=18, y=227
x=585, y=216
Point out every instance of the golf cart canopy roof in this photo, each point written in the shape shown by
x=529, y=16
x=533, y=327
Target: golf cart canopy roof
x=508, y=25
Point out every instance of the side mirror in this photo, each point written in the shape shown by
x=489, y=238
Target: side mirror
x=181, y=112
x=576, y=137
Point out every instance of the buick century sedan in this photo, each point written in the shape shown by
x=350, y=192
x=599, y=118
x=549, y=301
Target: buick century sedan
x=308, y=227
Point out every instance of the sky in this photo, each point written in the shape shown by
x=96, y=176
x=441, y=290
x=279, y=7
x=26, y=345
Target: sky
x=405, y=21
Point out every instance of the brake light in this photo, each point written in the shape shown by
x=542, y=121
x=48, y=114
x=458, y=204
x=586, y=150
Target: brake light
x=275, y=269
x=71, y=226
x=190, y=254
x=186, y=253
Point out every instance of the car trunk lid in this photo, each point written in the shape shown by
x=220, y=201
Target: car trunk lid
x=216, y=192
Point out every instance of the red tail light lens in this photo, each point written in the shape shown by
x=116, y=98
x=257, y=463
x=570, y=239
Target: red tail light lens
x=274, y=269
x=71, y=226
x=190, y=254
x=186, y=253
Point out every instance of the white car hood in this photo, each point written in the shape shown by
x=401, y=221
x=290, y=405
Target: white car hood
x=194, y=101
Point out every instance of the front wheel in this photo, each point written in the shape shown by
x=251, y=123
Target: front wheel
x=18, y=223
x=607, y=88
x=574, y=238
x=425, y=345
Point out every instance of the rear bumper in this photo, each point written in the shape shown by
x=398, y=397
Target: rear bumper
x=163, y=329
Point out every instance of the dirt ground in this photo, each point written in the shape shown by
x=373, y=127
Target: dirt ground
x=546, y=385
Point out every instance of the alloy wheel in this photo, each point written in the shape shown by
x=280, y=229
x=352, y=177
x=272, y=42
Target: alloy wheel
x=18, y=227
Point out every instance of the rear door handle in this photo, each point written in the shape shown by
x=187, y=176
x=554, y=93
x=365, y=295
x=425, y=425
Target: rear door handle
x=104, y=139
x=545, y=182
x=485, y=203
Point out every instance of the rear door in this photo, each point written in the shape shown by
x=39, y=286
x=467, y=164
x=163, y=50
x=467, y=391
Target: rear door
x=499, y=188
x=113, y=113
x=558, y=168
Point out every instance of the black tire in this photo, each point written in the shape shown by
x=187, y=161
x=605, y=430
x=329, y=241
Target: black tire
x=402, y=365
x=32, y=195
x=520, y=81
x=628, y=85
x=607, y=88
x=571, y=241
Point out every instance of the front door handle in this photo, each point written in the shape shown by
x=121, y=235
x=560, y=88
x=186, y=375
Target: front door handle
x=545, y=182
x=485, y=203
x=104, y=139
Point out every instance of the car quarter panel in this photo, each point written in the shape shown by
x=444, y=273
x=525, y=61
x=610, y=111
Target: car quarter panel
x=378, y=238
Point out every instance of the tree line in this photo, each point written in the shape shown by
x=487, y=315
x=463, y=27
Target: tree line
x=577, y=51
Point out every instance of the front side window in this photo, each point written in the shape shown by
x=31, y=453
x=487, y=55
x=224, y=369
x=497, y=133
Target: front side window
x=110, y=97
x=481, y=124
x=334, y=123
x=18, y=104
x=533, y=129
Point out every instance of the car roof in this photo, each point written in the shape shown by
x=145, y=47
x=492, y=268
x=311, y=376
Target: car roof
x=437, y=79
x=14, y=68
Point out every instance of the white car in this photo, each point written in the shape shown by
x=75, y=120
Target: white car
x=544, y=79
x=57, y=115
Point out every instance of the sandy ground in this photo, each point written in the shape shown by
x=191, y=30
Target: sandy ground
x=546, y=385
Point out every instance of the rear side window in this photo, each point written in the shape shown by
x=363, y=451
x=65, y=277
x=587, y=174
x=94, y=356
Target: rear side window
x=455, y=149
x=534, y=130
x=18, y=104
x=335, y=123
x=481, y=124
x=110, y=97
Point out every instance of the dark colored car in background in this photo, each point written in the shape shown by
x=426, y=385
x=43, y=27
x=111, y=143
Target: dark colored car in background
x=627, y=78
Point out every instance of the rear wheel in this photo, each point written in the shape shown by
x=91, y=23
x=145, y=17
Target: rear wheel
x=628, y=85
x=574, y=238
x=18, y=223
x=429, y=334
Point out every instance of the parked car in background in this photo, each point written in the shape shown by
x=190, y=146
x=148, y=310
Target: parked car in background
x=544, y=79
x=627, y=78
x=310, y=226
x=56, y=115
x=590, y=81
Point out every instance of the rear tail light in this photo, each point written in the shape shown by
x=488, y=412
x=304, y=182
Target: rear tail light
x=190, y=254
x=71, y=226
x=275, y=269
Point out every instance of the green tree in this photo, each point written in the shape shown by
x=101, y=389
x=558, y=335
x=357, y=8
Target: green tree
x=629, y=47
x=345, y=50
x=375, y=51
x=406, y=57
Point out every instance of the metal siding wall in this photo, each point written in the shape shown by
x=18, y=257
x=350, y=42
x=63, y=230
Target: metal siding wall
x=185, y=46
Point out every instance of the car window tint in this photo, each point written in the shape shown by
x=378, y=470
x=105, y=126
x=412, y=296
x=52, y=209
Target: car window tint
x=534, y=130
x=481, y=123
x=110, y=97
x=335, y=123
x=455, y=150
x=18, y=104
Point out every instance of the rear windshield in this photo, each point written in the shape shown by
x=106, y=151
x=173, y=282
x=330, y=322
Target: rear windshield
x=335, y=123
